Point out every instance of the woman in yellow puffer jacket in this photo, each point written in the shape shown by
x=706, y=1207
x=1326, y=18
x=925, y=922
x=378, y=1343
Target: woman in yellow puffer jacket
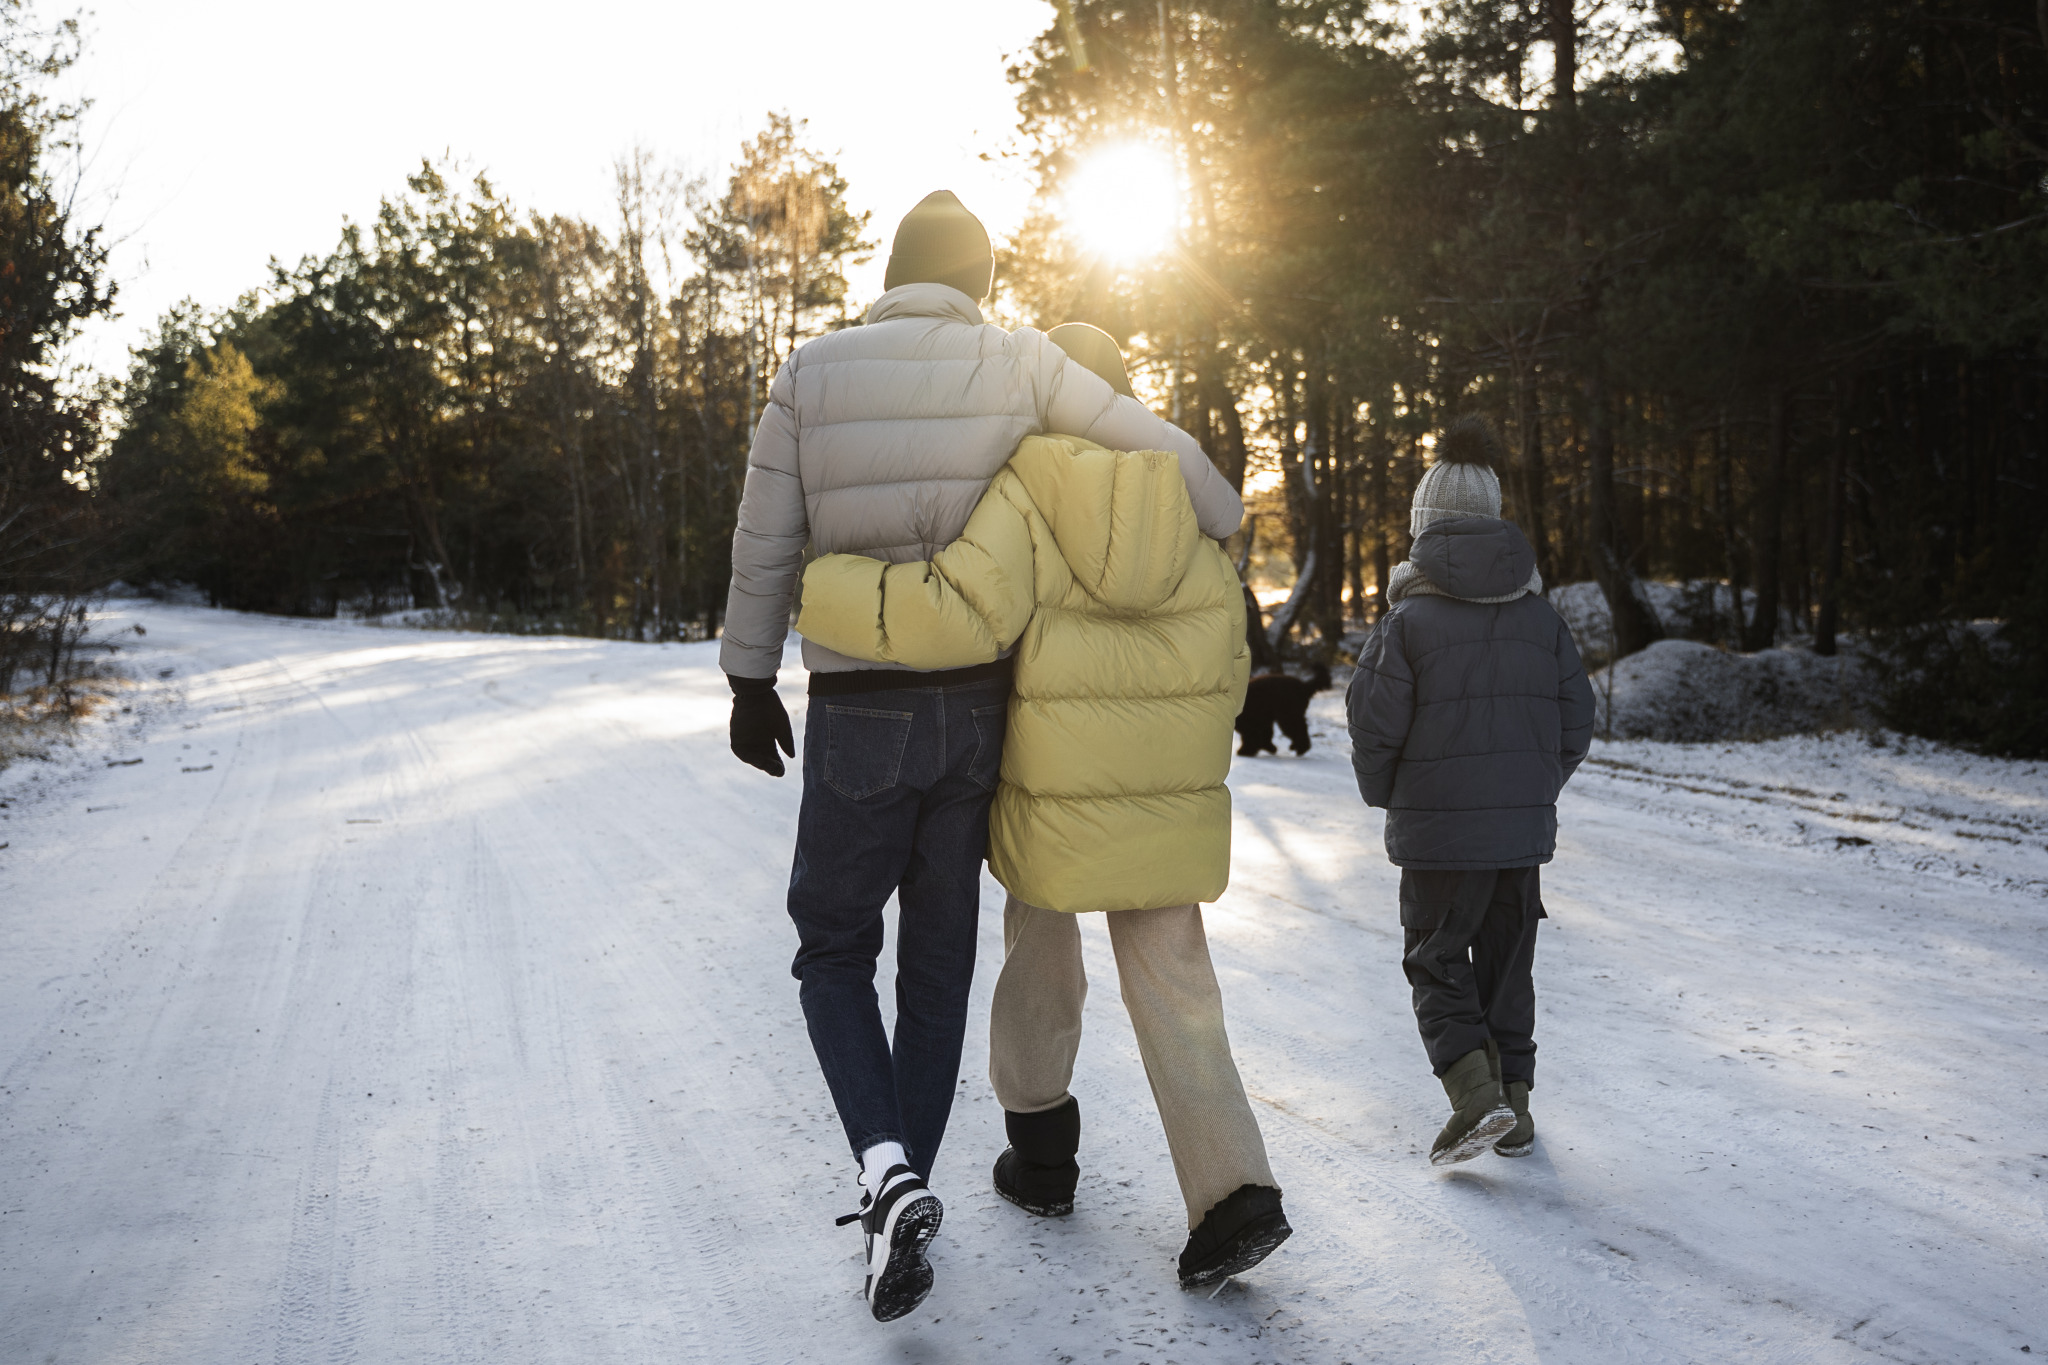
x=1128, y=630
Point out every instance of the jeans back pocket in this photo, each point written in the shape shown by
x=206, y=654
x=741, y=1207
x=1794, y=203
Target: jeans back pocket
x=864, y=749
x=991, y=723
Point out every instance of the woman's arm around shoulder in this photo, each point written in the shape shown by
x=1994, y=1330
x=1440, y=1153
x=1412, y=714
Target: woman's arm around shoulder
x=964, y=606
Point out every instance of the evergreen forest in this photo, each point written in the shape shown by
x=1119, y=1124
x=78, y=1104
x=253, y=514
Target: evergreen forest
x=1754, y=292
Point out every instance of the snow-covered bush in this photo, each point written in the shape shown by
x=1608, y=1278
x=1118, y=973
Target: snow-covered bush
x=1689, y=691
x=1983, y=684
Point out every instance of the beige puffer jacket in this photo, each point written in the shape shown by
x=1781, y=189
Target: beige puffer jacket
x=879, y=441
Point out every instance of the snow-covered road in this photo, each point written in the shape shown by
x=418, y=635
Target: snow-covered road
x=424, y=998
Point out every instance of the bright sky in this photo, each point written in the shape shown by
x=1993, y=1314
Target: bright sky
x=226, y=132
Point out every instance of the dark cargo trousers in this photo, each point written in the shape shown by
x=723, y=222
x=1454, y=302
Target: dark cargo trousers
x=1470, y=945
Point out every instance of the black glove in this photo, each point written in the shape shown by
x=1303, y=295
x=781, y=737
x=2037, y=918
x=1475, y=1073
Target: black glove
x=759, y=724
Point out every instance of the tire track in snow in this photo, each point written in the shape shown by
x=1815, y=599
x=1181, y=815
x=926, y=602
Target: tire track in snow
x=319, y=1304
x=668, y=1233
x=682, y=1232
x=1875, y=834
x=338, y=1246
x=478, y=1316
x=179, y=1065
x=357, y=944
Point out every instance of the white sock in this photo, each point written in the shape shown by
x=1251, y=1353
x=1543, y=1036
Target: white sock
x=876, y=1161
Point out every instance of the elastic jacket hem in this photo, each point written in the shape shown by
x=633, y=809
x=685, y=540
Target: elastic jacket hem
x=1483, y=865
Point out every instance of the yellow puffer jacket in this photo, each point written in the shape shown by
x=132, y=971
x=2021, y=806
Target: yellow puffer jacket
x=1131, y=665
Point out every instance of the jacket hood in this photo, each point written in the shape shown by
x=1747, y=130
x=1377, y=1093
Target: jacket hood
x=1474, y=557
x=925, y=299
x=1121, y=519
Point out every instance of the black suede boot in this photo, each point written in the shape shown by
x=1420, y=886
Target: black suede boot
x=1037, y=1171
x=1242, y=1230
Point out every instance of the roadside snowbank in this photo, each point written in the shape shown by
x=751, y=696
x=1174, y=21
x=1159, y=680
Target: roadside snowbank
x=1685, y=691
x=42, y=726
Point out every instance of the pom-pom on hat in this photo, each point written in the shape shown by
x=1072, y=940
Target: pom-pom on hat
x=941, y=242
x=1460, y=481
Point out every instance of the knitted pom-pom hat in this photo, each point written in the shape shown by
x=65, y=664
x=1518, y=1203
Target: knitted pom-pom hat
x=1460, y=481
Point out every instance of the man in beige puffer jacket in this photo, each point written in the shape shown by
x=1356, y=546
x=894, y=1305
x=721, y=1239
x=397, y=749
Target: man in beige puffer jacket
x=880, y=440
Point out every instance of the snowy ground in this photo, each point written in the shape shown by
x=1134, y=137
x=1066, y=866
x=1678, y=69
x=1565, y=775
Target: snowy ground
x=425, y=997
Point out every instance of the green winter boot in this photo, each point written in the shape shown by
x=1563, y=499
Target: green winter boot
x=1521, y=1139
x=1479, y=1111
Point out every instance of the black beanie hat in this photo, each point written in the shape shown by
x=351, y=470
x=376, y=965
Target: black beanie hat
x=1093, y=349
x=940, y=242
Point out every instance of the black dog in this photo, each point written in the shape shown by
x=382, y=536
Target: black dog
x=1277, y=699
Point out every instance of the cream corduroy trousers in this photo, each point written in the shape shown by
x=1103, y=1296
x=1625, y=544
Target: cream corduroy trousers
x=1176, y=1009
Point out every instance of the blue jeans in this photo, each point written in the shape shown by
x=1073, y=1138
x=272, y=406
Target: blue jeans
x=897, y=788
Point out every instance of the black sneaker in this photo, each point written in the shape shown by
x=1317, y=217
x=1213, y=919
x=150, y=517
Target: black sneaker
x=900, y=1223
x=1037, y=1171
x=1243, y=1229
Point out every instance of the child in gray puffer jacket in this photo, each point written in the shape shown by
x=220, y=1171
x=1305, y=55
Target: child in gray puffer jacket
x=1469, y=711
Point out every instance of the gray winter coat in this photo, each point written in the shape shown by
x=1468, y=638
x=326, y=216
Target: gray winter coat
x=879, y=441
x=1468, y=717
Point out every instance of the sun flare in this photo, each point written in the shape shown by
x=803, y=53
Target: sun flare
x=1124, y=201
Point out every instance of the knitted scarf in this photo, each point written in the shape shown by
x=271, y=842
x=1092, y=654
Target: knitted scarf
x=1408, y=580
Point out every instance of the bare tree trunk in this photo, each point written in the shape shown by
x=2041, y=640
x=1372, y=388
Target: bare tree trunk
x=1297, y=480
x=1319, y=461
x=446, y=594
x=1529, y=418
x=1564, y=41
x=1304, y=501
x=1355, y=514
x=1769, y=538
x=59, y=620
x=1838, y=494
x=1217, y=398
x=1724, y=501
x=579, y=508
x=1376, y=495
x=1283, y=619
x=1635, y=625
